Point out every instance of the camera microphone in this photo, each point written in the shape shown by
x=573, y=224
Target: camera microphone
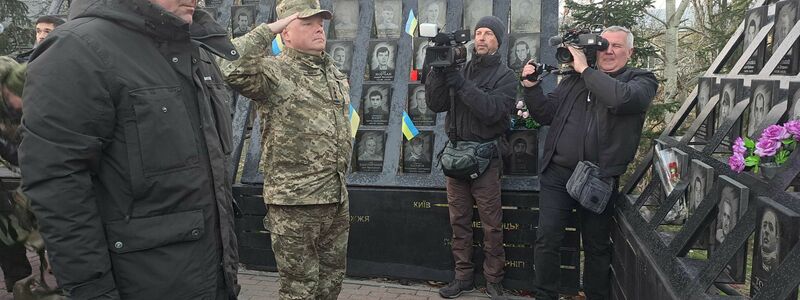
x=555, y=41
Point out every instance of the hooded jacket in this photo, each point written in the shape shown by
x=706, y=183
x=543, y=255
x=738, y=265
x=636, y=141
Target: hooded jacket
x=125, y=153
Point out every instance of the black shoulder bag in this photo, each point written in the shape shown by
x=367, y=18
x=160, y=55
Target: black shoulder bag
x=465, y=160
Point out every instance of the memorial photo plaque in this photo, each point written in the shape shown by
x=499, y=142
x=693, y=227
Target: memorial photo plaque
x=418, y=108
x=761, y=102
x=730, y=94
x=526, y=16
x=777, y=231
x=417, y=153
x=794, y=101
x=786, y=16
x=420, y=45
x=756, y=18
x=702, y=179
x=524, y=47
x=375, y=104
x=432, y=12
x=382, y=60
x=733, y=197
x=706, y=87
x=345, y=19
x=474, y=10
x=369, y=151
x=242, y=19
x=524, y=153
x=342, y=54
x=387, y=18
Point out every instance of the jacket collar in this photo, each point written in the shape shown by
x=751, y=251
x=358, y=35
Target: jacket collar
x=486, y=60
x=308, y=60
x=617, y=72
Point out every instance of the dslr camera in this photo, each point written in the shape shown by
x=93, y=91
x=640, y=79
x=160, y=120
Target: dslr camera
x=586, y=39
x=448, y=50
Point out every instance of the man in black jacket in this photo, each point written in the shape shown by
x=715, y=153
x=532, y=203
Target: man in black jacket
x=484, y=97
x=125, y=152
x=595, y=115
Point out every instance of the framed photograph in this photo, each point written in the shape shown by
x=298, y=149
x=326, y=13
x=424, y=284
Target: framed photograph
x=342, y=54
x=432, y=11
x=417, y=153
x=345, y=19
x=730, y=93
x=243, y=19
x=794, y=101
x=777, y=231
x=526, y=16
x=762, y=93
x=524, y=47
x=786, y=16
x=755, y=19
x=420, y=47
x=733, y=199
x=382, y=60
x=701, y=178
x=369, y=151
x=474, y=10
x=388, y=15
x=418, y=107
x=375, y=104
x=524, y=153
x=706, y=87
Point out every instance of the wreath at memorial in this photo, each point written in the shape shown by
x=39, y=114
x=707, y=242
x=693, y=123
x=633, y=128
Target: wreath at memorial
x=771, y=150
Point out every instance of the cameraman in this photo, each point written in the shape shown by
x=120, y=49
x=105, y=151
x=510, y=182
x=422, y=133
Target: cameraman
x=483, y=99
x=595, y=115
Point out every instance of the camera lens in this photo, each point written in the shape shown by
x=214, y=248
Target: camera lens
x=563, y=55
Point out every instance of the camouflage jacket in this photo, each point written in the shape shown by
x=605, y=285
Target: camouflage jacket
x=304, y=102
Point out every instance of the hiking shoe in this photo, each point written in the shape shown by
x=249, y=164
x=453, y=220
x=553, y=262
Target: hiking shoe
x=455, y=288
x=495, y=290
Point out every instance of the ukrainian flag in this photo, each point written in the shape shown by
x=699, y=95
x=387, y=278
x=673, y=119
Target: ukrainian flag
x=277, y=45
x=409, y=130
x=355, y=120
x=411, y=23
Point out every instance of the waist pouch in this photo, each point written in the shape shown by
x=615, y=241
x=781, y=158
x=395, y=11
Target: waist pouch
x=467, y=160
x=592, y=191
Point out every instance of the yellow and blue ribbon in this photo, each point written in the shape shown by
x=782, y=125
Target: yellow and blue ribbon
x=355, y=120
x=411, y=23
x=277, y=45
x=409, y=130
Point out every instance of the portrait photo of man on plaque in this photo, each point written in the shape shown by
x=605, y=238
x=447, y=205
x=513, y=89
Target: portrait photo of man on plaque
x=474, y=10
x=524, y=153
x=417, y=153
x=418, y=108
x=786, y=15
x=706, y=87
x=794, y=101
x=754, y=20
x=345, y=19
x=342, y=54
x=432, y=12
x=524, y=47
x=760, y=104
x=701, y=178
x=242, y=19
x=526, y=16
x=733, y=197
x=730, y=94
x=387, y=18
x=375, y=105
x=382, y=60
x=369, y=151
x=777, y=231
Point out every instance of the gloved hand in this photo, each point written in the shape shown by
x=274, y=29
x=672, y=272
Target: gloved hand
x=454, y=78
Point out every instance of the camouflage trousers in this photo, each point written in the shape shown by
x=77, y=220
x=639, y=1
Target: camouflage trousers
x=310, y=246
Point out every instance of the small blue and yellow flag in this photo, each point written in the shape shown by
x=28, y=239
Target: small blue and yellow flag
x=277, y=45
x=355, y=120
x=411, y=23
x=409, y=130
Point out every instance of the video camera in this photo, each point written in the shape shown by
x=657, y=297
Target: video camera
x=586, y=39
x=448, y=50
x=542, y=70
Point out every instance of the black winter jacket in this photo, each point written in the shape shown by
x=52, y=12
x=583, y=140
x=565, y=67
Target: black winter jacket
x=125, y=153
x=483, y=104
x=625, y=97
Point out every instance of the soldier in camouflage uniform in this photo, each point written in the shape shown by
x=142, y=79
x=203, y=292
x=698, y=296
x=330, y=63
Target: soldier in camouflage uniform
x=304, y=101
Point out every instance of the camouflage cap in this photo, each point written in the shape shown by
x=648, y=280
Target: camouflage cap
x=304, y=8
x=12, y=75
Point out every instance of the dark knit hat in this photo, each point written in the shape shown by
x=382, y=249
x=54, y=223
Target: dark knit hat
x=494, y=24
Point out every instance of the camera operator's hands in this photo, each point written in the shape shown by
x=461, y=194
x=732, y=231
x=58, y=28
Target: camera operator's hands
x=578, y=59
x=454, y=78
x=279, y=25
x=527, y=70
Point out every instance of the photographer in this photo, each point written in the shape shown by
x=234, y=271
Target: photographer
x=595, y=115
x=483, y=99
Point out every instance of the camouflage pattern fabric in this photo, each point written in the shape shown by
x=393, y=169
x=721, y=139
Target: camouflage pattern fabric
x=305, y=107
x=320, y=233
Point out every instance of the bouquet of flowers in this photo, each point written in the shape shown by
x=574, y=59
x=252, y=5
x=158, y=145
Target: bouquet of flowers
x=773, y=147
x=523, y=118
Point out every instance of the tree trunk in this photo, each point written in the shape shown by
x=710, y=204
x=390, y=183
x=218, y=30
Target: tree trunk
x=671, y=45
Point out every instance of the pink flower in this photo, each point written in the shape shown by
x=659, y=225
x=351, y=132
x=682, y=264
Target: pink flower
x=519, y=113
x=775, y=133
x=736, y=162
x=525, y=115
x=767, y=147
x=520, y=105
x=793, y=128
x=738, y=146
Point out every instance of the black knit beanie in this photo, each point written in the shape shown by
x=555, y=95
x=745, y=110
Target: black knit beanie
x=495, y=24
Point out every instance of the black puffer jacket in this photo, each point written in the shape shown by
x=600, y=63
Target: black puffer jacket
x=126, y=139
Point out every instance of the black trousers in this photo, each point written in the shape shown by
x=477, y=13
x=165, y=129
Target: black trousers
x=555, y=207
x=14, y=262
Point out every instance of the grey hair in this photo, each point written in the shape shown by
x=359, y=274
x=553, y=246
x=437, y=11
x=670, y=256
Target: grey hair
x=628, y=38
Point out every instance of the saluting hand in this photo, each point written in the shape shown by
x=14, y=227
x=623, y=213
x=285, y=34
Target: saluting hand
x=279, y=25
